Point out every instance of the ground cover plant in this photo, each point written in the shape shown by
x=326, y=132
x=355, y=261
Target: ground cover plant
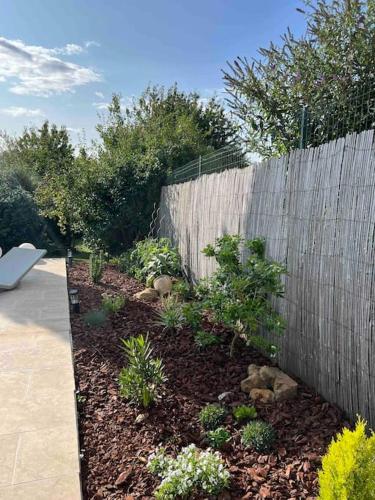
x=244, y=413
x=192, y=471
x=117, y=437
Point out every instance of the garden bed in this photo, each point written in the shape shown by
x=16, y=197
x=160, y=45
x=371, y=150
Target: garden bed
x=115, y=445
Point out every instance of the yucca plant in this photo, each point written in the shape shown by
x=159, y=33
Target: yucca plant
x=140, y=381
x=96, y=267
x=170, y=317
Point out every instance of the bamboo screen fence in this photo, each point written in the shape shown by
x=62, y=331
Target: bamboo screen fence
x=316, y=209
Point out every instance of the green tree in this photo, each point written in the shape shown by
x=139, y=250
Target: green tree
x=19, y=218
x=330, y=70
x=43, y=162
x=162, y=129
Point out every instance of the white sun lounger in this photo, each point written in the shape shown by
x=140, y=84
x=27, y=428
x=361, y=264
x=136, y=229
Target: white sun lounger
x=15, y=264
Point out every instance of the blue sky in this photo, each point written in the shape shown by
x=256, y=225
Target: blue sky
x=62, y=59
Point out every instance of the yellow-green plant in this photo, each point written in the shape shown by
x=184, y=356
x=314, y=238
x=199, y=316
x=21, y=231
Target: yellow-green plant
x=348, y=468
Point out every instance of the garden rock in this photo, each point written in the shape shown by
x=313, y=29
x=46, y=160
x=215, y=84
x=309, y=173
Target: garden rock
x=163, y=285
x=271, y=378
x=262, y=395
x=254, y=381
x=148, y=295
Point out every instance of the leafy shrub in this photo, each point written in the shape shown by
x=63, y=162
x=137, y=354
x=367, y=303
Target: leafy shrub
x=211, y=417
x=170, y=317
x=140, y=380
x=95, y=318
x=151, y=258
x=112, y=304
x=348, y=468
x=243, y=413
x=205, y=339
x=19, y=218
x=192, y=471
x=238, y=294
x=96, y=267
x=192, y=315
x=259, y=435
x=182, y=290
x=218, y=437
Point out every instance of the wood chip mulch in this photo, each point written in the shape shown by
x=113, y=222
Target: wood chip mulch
x=115, y=446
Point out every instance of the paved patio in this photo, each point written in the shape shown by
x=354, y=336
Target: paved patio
x=39, y=453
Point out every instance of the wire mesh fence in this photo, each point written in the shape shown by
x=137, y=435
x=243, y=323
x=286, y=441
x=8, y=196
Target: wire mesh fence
x=331, y=118
x=333, y=115
x=222, y=159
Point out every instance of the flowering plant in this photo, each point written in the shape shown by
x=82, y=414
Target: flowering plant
x=192, y=471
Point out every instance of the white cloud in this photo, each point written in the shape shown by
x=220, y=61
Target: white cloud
x=91, y=43
x=17, y=111
x=35, y=70
x=100, y=95
x=101, y=105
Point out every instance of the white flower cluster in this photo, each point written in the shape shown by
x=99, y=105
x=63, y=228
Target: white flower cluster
x=192, y=470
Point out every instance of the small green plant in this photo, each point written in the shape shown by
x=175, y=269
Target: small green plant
x=181, y=289
x=192, y=315
x=348, y=468
x=96, y=267
x=95, y=318
x=170, y=317
x=205, y=339
x=244, y=413
x=258, y=435
x=211, y=417
x=192, y=472
x=141, y=379
x=218, y=437
x=112, y=303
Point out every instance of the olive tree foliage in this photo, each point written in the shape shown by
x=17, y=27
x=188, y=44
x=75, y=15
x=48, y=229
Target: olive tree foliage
x=330, y=70
x=139, y=144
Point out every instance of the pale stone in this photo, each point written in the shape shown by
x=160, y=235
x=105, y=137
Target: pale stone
x=262, y=395
x=251, y=369
x=284, y=387
x=269, y=374
x=252, y=382
x=148, y=295
x=163, y=285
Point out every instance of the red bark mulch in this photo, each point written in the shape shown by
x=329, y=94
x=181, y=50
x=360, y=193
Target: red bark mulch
x=115, y=448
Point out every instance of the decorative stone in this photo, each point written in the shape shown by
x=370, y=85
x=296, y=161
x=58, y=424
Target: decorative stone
x=262, y=395
x=163, y=285
x=271, y=379
x=269, y=374
x=284, y=387
x=254, y=381
x=253, y=369
x=148, y=295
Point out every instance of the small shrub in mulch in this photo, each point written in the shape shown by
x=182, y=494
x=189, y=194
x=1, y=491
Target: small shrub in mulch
x=117, y=438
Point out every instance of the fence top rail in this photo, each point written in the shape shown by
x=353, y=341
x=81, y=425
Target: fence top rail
x=216, y=161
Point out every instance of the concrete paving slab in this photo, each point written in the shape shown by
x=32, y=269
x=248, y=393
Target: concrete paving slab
x=39, y=450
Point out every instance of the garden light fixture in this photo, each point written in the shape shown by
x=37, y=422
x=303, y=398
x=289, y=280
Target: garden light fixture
x=74, y=300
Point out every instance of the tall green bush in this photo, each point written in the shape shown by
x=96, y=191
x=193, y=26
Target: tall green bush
x=20, y=221
x=238, y=294
x=151, y=258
